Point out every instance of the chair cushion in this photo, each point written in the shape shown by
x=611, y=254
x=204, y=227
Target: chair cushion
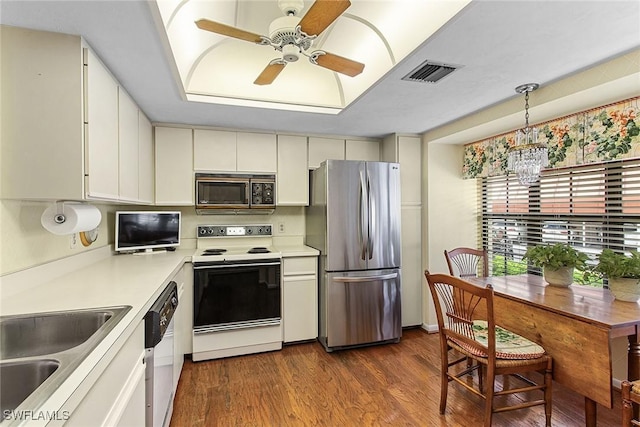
x=635, y=387
x=509, y=345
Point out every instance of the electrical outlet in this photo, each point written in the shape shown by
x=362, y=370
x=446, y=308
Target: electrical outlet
x=73, y=241
x=281, y=227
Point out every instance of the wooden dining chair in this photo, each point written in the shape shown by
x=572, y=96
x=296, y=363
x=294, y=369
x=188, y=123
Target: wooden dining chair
x=630, y=396
x=467, y=262
x=468, y=331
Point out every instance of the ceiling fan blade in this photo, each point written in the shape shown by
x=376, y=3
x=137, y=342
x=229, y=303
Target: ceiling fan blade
x=321, y=14
x=270, y=72
x=339, y=64
x=226, y=30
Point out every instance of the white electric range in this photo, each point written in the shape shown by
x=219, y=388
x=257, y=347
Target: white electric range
x=237, y=291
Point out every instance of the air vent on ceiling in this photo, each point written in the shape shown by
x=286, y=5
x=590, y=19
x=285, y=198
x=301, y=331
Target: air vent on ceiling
x=430, y=72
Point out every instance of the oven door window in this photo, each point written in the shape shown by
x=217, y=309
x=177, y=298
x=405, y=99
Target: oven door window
x=235, y=294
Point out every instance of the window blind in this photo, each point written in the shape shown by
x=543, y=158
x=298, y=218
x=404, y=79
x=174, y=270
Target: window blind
x=589, y=207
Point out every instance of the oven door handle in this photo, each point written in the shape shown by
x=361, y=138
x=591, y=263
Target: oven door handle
x=254, y=264
x=269, y=285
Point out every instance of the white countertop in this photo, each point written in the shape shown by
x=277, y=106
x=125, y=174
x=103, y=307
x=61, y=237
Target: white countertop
x=297, y=250
x=134, y=280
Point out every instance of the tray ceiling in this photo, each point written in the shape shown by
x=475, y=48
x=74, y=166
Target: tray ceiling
x=219, y=69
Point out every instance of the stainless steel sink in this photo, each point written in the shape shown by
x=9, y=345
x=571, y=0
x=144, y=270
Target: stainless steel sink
x=39, y=351
x=35, y=335
x=20, y=379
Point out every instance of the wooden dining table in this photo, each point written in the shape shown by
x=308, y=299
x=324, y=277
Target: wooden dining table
x=575, y=325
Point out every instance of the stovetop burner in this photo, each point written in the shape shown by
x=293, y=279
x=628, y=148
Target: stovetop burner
x=214, y=251
x=258, y=250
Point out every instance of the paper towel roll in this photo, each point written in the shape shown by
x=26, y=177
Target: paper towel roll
x=69, y=218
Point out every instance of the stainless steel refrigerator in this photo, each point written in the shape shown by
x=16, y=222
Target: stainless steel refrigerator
x=353, y=219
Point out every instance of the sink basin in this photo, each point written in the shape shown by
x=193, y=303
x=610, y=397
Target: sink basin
x=20, y=379
x=35, y=335
x=39, y=351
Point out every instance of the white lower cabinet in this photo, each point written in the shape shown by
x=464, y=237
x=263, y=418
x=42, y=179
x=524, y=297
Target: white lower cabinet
x=300, y=298
x=117, y=398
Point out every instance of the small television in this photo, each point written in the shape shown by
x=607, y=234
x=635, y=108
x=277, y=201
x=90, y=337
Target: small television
x=144, y=231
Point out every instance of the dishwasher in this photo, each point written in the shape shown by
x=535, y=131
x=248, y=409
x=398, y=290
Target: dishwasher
x=159, y=349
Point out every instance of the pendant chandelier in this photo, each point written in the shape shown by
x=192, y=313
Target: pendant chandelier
x=527, y=157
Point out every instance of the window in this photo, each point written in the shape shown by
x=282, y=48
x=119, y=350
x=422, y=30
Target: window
x=590, y=207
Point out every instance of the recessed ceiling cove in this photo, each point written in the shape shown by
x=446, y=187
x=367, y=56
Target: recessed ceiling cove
x=316, y=56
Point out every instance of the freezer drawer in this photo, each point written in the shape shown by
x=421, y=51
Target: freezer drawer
x=359, y=308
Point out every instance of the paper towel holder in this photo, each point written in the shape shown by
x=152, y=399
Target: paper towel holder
x=58, y=215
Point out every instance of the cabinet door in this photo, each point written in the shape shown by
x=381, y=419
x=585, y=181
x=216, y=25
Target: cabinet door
x=256, y=152
x=128, y=128
x=362, y=150
x=410, y=159
x=300, y=308
x=321, y=149
x=412, y=278
x=101, y=139
x=292, y=178
x=300, y=298
x=145, y=159
x=214, y=150
x=174, y=166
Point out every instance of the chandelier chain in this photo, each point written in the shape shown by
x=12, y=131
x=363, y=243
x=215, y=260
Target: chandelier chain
x=526, y=110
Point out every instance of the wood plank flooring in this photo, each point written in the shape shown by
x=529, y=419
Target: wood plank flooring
x=385, y=385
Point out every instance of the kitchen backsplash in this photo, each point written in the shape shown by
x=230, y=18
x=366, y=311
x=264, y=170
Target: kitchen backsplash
x=25, y=243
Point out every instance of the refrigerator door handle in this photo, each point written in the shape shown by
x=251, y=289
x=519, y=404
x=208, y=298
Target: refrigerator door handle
x=371, y=219
x=362, y=218
x=365, y=278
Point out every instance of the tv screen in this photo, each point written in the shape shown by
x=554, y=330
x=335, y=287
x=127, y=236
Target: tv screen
x=147, y=230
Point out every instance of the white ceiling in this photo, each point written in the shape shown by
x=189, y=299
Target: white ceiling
x=500, y=45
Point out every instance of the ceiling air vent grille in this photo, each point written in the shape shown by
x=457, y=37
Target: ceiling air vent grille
x=429, y=72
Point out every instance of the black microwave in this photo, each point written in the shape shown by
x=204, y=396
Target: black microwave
x=235, y=193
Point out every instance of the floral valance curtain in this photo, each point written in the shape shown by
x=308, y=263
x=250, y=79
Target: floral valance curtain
x=610, y=132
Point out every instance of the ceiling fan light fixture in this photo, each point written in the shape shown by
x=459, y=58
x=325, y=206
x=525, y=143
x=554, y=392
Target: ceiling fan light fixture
x=290, y=53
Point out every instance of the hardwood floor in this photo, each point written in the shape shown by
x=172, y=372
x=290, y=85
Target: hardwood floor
x=385, y=385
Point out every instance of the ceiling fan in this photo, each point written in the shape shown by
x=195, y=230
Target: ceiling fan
x=293, y=36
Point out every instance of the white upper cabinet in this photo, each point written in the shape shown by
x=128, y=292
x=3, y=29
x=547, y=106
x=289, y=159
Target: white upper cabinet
x=406, y=150
x=129, y=155
x=362, y=150
x=145, y=159
x=256, y=152
x=292, y=179
x=321, y=149
x=101, y=139
x=66, y=132
x=214, y=150
x=174, y=166
x=226, y=151
x=410, y=159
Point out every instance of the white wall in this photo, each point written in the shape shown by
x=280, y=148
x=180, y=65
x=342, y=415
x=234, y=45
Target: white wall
x=450, y=214
x=25, y=243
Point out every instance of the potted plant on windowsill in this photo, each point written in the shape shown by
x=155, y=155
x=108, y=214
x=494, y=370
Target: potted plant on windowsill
x=623, y=273
x=557, y=261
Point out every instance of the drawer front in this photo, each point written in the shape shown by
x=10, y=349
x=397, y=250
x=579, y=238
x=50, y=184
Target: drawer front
x=297, y=266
